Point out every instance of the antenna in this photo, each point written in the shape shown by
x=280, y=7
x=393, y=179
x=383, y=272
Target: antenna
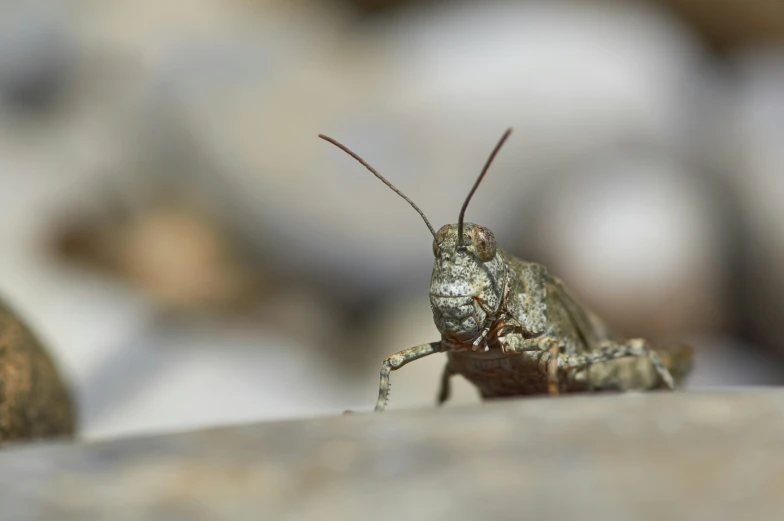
x=345, y=149
x=460, y=244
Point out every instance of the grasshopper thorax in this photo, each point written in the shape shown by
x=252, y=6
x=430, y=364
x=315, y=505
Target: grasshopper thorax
x=468, y=282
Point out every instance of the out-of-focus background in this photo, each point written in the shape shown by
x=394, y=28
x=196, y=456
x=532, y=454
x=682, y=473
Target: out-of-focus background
x=193, y=255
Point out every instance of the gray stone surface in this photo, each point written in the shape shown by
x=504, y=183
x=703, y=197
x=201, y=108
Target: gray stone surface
x=686, y=456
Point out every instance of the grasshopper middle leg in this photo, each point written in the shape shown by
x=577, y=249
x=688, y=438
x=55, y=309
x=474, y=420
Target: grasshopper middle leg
x=446, y=389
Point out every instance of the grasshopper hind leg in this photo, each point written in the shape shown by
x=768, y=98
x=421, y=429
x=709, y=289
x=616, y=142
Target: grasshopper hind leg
x=632, y=348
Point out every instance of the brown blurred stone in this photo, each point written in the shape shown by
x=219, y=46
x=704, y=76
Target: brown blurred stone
x=178, y=257
x=728, y=24
x=34, y=400
x=724, y=24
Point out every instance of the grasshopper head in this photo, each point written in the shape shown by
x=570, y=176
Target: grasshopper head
x=468, y=280
x=469, y=276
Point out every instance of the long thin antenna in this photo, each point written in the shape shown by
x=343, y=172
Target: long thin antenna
x=345, y=149
x=476, y=185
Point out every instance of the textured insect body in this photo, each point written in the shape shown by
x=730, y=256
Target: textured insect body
x=511, y=328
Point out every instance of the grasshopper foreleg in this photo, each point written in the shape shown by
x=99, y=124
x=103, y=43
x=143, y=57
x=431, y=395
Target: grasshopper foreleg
x=397, y=361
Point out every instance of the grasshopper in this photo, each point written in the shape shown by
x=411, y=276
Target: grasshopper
x=511, y=328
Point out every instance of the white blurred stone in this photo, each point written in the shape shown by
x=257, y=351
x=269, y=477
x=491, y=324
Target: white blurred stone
x=640, y=239
x=570, y=76
x=209, y=375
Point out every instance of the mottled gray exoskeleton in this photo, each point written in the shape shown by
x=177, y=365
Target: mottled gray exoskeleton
x=511, y=328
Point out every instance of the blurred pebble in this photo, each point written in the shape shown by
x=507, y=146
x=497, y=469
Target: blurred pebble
x=180, y=259
x=732, y=25
x=174, y=379
x=752, y=148
x=722, y=361
x=638, y=238
x=36, y=61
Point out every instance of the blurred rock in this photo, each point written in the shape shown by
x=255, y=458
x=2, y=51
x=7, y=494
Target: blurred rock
x=640, y=239
x=571, y=77
x=733, y=25
x=189, y=266
x=691, y=456
x=751, y=145
x=725, y=25
x=722, y=361
x=199, y=374
x=36, y=61
x=179, y=258
x=35, y=402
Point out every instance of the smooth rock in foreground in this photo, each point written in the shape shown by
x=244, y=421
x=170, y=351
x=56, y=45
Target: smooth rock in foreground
x=687, y=456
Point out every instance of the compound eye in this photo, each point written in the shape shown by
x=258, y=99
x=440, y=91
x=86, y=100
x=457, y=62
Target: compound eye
x=484, y=244
x=440, y=234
